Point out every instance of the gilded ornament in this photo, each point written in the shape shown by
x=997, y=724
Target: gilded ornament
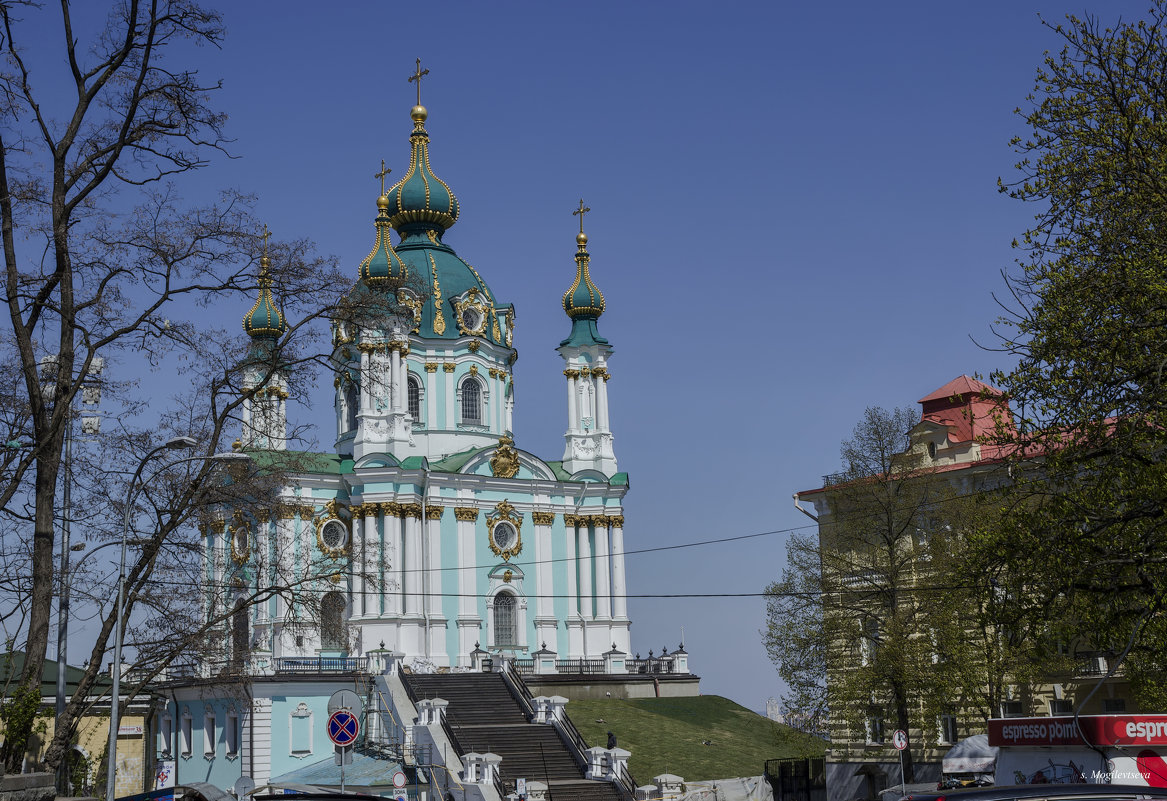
x=449, y=367
x=432, y=235
x=466, y=513
x=505, y=531
x=507, y=576
x=474, y=369
x=505, y=461
x=335, y=578
x=391, y=509
x=514, y=357
x=510, y=327
x=434, y=512
x=494, y=329
x=286, y=511
x=217, y=525
x=411, y=510
x=473, y=345
x=240, y=540
x=413, y=304
x=584, y=372
x=431, y=367
x=571, y=373
x=338, y=550
x=470, y=314
x=617, y=521
x=570, y=520
x=332, y=507
x=439, y=320
x=262, y=515
x=493, y=371
x=543, y=518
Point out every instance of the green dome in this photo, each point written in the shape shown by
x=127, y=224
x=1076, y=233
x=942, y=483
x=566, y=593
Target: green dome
x=421, y=197
x=265, y=320
x=583, y=299
x=383, y=267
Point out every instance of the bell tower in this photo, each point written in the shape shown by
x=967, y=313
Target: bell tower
x=265, y=385
x=586, y=353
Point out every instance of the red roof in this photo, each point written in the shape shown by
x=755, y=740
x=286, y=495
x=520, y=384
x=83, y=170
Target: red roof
x=961, y=385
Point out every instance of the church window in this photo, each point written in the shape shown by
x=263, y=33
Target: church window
x=239, y=636
x=333, y=535
x=350, y=406
x=414, y=393
x=166, y=735
x=332, y=621
x=471, y=402
x=504, y=619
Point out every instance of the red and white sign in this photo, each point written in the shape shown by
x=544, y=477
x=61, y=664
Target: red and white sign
x=900, y=739
x=1096, y=730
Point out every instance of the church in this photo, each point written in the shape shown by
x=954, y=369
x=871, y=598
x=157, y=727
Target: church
x=426, y=530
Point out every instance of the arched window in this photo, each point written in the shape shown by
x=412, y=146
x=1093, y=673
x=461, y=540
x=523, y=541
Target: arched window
x=504, y=620
x=239, y=636
x=471, y=402
x=332, y=621
x=350, y=406
x=414, y=395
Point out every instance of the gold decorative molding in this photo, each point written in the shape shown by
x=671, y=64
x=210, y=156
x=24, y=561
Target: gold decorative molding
x=434, y=511
x=584, y=372
x=217, y=525
x=413, y=304
x=262, y=515
x=493, y=372
x=570, y=520
x=473, y=345
x=357, y=510
x=240, y=535
x=333, y=553
x=431, y=367
x=439, y=320
x=505, y=461
x=514, y=357
x=543, y=518
x=507, y=576
x=390, y=509
x=286, y=511
x=466, y=513
x=449, y=367
x=571, y=373
x=410, y=510
x=474, y=369
x=505, y=512
x=617, y=521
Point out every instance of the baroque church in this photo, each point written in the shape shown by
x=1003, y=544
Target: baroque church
x=425, y=530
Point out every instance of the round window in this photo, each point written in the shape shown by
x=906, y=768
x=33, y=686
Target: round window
x=504, y=535
x=334, y=535
x=471, y=318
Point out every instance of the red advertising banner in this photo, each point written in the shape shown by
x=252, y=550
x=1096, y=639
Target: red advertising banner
x=1095, y=730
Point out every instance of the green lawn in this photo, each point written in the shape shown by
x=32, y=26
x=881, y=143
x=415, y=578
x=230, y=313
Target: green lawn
x=665, y=735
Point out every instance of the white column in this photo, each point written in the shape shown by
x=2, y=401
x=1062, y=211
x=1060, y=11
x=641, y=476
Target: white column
x=412, y=564
x=602, y=404
x=572, y=417
x=395, y=386
x=451, y=421
x=433, y=544
x=619, y=585
x=466, y=575
x=544, y=584
x=431, y=400
x=509, y=423
x=371, y=562
x=603, y=582
x=586, y=608
x=391, y=560
x=366, y=383
x=569, y=541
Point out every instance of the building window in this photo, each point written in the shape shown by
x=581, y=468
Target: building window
x=231, y=733
x=1061, y=706
x=1113, y=706
x=874, y=728
x=504, y=620
x=332, y=622
x=209, y=734
x=166, y=736
x=947, y=729
x=301, y=730
x=413, y=392
x=1012, y=709
x=350, y=406
x=184, y=733
x=471, y=402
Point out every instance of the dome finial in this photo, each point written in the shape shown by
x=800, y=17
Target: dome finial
x=265, y=320
x=581, y=238
x=418, y=112
x=583, y=298
x=383, y=267
x=382, y=199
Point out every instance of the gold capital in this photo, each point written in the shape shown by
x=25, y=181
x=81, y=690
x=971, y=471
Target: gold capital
x=431, y=367
x=449, y=367
x=543, y=518
x=434, y=512
x=466, y=513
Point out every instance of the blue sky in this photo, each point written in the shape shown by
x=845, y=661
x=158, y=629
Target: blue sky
x=794, y=216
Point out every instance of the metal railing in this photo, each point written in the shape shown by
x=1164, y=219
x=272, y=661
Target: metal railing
x=650, y=665
x=322, y=664
x=579, y=665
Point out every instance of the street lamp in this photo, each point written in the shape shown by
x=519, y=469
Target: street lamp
x=178, y=443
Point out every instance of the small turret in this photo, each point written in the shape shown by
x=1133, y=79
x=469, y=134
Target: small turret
x=264, y=382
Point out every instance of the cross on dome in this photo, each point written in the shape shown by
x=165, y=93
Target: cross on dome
x=384, y=171
x=416, y=78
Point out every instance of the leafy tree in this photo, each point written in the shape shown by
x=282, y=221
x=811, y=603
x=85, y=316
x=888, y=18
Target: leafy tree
x=1089, y=331
x=103, y=259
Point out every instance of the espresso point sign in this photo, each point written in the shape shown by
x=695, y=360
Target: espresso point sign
x=1096, y=730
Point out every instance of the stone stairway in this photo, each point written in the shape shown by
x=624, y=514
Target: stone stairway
x=485, y=717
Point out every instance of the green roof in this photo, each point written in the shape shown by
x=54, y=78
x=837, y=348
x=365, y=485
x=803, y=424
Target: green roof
x=301, y=461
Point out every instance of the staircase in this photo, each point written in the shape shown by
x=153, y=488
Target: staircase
x=484, y=716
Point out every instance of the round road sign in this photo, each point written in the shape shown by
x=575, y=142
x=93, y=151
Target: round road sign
x=343, y=727
x=900, y=739
x=398, y=779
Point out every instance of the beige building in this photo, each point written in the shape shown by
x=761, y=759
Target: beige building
x=951, y=442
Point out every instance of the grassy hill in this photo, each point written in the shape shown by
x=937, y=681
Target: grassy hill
x=665, y=735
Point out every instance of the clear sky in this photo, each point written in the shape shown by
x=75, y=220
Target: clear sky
x=794, y=216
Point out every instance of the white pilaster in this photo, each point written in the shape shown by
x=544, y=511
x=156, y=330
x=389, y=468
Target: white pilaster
x=572, y=414
x=412, y=564
x=586, y=608
x=603, y=570
x=619, y=584
x=391, y=561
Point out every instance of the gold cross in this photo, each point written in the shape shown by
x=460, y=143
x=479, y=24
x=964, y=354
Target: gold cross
x=384, y=171
x=417, y=77
x=265, y=237
x=581, y=211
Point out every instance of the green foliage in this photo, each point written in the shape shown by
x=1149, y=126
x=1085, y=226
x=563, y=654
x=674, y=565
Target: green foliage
x=1090, y=336
x=667, y=735
x=18, y=713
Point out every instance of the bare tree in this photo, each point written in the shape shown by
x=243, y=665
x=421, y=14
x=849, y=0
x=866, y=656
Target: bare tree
x=105, y=259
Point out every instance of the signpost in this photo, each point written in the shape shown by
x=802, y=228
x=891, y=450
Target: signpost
x=343, y=728
x=900, y=740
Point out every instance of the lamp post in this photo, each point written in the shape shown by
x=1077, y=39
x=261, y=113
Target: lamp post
x=178, y=443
